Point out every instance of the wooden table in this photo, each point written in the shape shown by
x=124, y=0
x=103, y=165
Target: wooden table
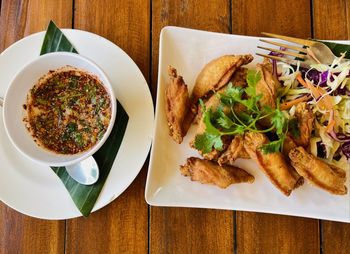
x=129, y=225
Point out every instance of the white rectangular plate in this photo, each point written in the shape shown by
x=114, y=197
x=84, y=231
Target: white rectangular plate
x=188, y=51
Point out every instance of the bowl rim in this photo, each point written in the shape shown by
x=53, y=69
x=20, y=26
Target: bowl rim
x=106, y=83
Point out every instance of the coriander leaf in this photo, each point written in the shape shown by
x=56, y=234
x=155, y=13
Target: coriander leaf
x=223, y=120
x=268, y=109
x=234, y=92
x=231, y=95
x=250, y=103
x=272, y=147
x=245, y=117
x=253, y=77
x=279, y=121
x=205, y=142
x=211, y=137
x=209, y=127
x=236, y=130
x=294, y=128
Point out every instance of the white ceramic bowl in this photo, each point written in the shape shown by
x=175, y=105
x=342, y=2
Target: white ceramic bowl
x=16, y=96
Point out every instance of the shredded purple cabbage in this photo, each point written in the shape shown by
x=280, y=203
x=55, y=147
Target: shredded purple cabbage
x=321, y=150
x=321, y=79
x=345, y=148
x=277, y=53
x=314, y=75
x=340, y=137
x=342, y=91
x=274, y=62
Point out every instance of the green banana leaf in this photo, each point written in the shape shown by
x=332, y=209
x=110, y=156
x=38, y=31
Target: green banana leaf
x=338, y=48
x=85, y=196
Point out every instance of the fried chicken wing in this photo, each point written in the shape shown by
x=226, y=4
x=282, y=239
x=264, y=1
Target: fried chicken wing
x=177, y=106
x=239, y=78
x=273, y=165
x=234, y=151
x=318, y=172
x=208, y=172
x=288, y=145
x=267, y=85
x=305, y=119
x=217, y=74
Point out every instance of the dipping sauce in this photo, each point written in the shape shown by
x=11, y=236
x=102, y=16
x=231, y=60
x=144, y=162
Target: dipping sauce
x=67, y=111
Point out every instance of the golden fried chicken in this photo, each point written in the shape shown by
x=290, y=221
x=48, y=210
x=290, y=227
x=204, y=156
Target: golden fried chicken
x=177, y=106
x=208, y=172
x=267, y=85
x=288, y=145
x=318, y=172
x=282, y=175
x=305, y=119
x=234, y=151
x=217, y=74
x=239, y=77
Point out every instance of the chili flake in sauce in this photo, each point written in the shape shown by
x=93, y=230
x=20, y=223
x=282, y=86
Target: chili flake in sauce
x=68, y=111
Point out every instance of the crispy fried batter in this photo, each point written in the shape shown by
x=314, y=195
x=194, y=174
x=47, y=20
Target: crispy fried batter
x=305, y=123
x=177, y=105
x=267, y=86
x=288, y=145
x=217, y=73
x=273, y=164
x=318, y=172
x=234, y=151
x=205, y=171
x=239, y=78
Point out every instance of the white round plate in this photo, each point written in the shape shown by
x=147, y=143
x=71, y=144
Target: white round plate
x=34, y=189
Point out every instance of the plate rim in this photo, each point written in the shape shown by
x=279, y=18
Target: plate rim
x=151, y=198
x=147, y=142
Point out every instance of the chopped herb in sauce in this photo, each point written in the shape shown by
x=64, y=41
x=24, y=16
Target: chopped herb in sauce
x=68, y=111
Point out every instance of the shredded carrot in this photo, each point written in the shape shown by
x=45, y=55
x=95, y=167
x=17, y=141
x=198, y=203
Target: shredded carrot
x=289, y=104
x=331, y=122
x=325, y=102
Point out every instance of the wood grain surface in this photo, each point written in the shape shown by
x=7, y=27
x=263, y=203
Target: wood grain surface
x=122, y=226
x=275, y=233
x=129, y=225
x=251, y=17
x=178, y=230
x=336, y=25
x=20, y=233
x=204, y=15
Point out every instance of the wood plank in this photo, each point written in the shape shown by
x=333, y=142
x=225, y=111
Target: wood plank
x=20, y=233
x=188, y=230
x=183, y=230
x=121, y=227
x=258, y=233
x=331, y=19
x=251, y=17
x=23, y=17
x=126, y=23
x=203, y=15
x=336, y=235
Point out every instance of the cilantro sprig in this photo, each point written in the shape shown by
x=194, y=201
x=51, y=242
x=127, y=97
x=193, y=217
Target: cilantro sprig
x=227, y=120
